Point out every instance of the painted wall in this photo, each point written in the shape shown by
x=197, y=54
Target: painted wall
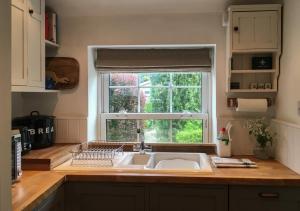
x=5, y=107
x=289, y=86
x=287, y=124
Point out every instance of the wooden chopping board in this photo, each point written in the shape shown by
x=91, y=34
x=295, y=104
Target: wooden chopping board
x=64, y=68
x=48, y=158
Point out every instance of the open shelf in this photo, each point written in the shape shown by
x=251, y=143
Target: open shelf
x=51, y=44
x=252, y=71
x=32, y=89
x=253, y=90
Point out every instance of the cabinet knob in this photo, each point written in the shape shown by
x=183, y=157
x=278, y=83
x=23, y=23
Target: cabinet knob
x=31, y=11
x=236, y=28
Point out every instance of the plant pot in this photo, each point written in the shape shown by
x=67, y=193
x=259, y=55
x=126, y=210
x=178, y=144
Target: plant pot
x=261, y=153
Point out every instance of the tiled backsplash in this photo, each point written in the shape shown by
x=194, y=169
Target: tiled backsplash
x=71, y=129
x=287, y=145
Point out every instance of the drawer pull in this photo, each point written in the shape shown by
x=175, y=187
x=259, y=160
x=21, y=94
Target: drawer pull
x=269, y=195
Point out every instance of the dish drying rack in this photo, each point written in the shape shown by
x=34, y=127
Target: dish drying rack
x=93, y=154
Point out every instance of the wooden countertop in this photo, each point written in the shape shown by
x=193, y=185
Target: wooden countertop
x=36, y=185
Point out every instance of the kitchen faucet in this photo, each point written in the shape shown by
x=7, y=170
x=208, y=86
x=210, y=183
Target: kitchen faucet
x=141, y=147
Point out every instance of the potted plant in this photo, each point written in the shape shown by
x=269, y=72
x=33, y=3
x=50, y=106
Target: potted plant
x=261, y=130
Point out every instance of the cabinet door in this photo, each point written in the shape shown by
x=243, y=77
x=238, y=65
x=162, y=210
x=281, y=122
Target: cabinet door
x=19, y=43
x=255, y=30
x=264, y=199
x=54, y=202
x=36, y=46
x=191, y=198
x=104, y=196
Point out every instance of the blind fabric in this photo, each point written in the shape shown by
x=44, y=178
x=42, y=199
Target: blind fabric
x=145, y=60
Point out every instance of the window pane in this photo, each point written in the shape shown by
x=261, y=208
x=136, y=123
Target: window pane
x=154, y=79
x=186, y=79
x=121, y=130
x=154, y=100
x=123, y=79
x=155, y=131
x=187, y=131
x=123, y=99
x=186, y=99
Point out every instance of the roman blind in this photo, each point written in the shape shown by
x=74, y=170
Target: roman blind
x=142, y=60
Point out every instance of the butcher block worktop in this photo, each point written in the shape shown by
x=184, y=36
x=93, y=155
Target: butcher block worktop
x=37, y=185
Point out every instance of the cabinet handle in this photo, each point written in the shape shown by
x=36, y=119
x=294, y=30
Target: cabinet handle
x=269, y=195
x=236, y=28
x=31, y=11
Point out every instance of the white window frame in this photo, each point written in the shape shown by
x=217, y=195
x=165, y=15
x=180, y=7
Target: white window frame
x=104, y=115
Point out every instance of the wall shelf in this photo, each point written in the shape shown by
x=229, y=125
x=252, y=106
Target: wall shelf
x=252, y=71
x=252, y=90
x=32, y=89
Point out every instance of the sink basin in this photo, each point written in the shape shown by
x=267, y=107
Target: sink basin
x=161, y=161
x=179, y=161
x=135, y=160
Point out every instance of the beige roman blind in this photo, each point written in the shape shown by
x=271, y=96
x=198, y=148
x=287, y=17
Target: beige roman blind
x=141, y=60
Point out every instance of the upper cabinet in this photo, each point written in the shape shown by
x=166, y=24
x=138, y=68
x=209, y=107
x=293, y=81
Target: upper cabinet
x=19, y=42
x=255, y=30
x=28, y=45
x=36, y=44
x=253, y=50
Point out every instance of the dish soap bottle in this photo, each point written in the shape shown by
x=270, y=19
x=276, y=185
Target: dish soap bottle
x=223, y=144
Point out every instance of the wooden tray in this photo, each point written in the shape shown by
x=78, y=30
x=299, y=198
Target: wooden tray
x=64, y=67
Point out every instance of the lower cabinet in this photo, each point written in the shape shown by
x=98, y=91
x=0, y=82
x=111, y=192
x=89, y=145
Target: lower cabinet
x=54, y=202
x=258, y=198
x=105, y=196
x=150, y=197
x=94, y=196
x=188, y=198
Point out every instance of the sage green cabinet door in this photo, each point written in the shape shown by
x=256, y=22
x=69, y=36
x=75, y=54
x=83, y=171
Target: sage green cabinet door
x=257, y=198
x=188, y=198
x=95, y=196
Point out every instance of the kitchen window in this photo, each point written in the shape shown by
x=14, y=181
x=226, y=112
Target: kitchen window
x=166, y=107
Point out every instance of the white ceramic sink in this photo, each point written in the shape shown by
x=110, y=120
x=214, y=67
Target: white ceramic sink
x=134, y=160
x=160, y=161
x=179, y=161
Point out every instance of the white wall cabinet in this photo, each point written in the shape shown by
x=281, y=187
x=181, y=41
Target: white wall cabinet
x=254, y=30
x=19, y=42
x=28, y=45
x=253, y=33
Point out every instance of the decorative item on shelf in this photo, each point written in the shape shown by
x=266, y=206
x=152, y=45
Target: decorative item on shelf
x=51, y=26
x=62, y=73
x=261, y=86
x=261, y=130
x=253, y=85
x=234, y=85
x=268, y=86
x=262, y=62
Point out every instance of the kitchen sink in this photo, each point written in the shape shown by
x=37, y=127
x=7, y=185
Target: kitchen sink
x=179, y=161
x=161, y=161
x=134, y=160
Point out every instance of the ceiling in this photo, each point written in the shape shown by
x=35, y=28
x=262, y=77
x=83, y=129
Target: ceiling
x=132, y=7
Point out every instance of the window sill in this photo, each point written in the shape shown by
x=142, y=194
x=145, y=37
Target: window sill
x=167, y=147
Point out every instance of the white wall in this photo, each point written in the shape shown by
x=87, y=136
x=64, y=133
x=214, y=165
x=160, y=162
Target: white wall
x=289, y=82
x=5, y=107
x=287, y=128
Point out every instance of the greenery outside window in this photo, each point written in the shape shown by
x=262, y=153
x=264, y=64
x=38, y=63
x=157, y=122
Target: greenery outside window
x=167, y=107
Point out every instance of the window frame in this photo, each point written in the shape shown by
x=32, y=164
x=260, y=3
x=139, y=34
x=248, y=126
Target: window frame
x=103, y=108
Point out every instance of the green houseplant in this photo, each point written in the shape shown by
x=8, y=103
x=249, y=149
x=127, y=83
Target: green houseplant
x=261, y=130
